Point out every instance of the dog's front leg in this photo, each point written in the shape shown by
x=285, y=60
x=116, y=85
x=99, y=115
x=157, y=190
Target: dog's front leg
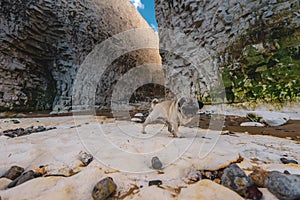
x=174, y=129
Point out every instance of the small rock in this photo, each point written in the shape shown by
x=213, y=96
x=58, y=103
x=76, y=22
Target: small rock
x=40, y=170
x=286, y=172
x=283, y=186
x=192, y=176
x=287, y=161
x=40, y=129
x=20, y=131
x=279, y=129
x=14, y=132
x=29, y=130
x=217, y=180
x=104, y=188
x=23, y=178
x=156, y=163
x=85, y=158
x=212, y=175
x=256, y=124
x=15, y=121
x=270, y=118
x=155, y=182
x=135, y=119
x=139, y=115
x=236, y=179
x=13, y=173
x=51, y=128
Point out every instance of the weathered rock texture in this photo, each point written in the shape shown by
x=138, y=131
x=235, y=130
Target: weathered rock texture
x=43, y=43
x=247, y=38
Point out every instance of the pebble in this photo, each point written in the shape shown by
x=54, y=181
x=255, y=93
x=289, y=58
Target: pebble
x=156, y=163
x=287, y=161
x=255, y=124
x=23, y=178
x=85, y=158
x=192, y=176
x=235, y=179
x=283, y=186
x=15, y=121
x=13, y=173
x=40, y=129
x=104, y=189
x=155, y=182
x=211, y=175
x=139, y=115
x=137, y=120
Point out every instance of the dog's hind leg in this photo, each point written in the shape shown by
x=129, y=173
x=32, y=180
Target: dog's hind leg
x=151, y=117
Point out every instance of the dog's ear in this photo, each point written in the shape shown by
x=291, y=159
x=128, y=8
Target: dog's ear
x=181, y=101
x=200, y=104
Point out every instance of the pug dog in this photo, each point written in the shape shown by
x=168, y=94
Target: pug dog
x=173, y=113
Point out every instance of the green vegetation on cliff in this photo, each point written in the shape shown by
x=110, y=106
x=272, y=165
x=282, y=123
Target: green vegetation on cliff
x=267, y=72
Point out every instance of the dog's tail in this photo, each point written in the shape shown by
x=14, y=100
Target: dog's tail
x=154, y=102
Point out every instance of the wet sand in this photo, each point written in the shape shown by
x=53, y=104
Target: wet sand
x=290, y=130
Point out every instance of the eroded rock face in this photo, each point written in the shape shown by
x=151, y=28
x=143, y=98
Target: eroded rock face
x=226, y=30
x=43, y=43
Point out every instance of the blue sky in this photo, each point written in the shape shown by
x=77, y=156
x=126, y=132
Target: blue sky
x=146, y=8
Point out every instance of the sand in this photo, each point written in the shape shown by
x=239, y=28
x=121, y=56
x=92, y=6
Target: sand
x=120, y=151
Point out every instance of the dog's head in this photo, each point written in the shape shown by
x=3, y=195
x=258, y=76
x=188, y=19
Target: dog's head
x=188, y=106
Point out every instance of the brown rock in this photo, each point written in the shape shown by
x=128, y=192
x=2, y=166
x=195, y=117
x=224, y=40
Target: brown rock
x=24, y=177
x=104, y=188
x=258, y=177
x=13, y=173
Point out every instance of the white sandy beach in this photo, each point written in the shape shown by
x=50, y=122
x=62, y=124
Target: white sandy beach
x=120, y=151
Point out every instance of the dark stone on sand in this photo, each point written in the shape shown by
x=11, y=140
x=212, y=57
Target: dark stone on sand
x=286, y=172
x=15, y=121
x=23, y=178
x=155, y=182
x=85, y=158
x=13, y=173
x=14, y=132
x=236, y=179
x=211, y=175
x=156, y=163
x=104, y=189
x=283, y=186
x=287, y=161
x=27, y=131
x=40, y=129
